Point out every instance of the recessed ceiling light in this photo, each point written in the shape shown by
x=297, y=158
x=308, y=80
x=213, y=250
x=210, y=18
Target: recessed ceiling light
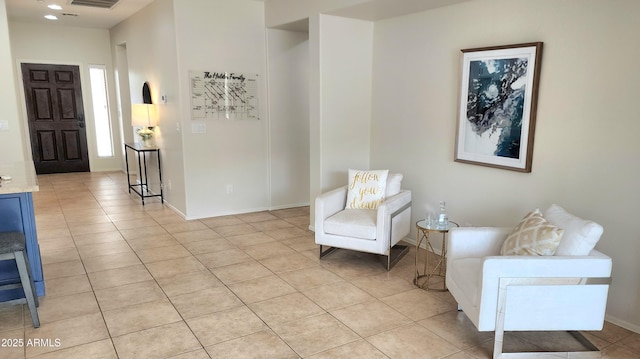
x=51, y=17
x=54, y=7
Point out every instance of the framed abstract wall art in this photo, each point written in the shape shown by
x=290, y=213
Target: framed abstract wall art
x=497, y=113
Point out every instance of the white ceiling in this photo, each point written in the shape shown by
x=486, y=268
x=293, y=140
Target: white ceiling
x=92, y=17
x=35, y=10
x=374, y=10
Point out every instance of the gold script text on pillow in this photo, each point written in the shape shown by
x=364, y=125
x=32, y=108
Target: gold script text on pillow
x=364, y=177
x=366, y=189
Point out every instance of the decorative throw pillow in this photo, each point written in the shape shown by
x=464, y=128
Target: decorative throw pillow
x=580, y=235
x=366, y=189
x=534, y=235
x=394, y=183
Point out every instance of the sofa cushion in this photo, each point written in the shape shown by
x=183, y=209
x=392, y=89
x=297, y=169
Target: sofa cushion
x=534, y=235
x=366, y=189
x=580, y=235
x=357, y=223
x=394, y=183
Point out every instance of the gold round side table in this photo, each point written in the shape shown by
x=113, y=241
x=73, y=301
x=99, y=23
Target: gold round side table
x=426, y=276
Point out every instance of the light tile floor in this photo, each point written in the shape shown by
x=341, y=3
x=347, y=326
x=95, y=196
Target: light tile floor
x=127, y=281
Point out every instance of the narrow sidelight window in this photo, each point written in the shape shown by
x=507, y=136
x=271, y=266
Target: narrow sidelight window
x=98, y=76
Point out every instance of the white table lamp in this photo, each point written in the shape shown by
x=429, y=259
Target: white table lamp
x=145, y=116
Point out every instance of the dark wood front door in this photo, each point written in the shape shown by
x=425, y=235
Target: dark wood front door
x=56, y=118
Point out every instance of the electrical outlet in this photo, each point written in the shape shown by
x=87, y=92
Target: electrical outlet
x=168, y=185
x=4, y=125
x=229, y=189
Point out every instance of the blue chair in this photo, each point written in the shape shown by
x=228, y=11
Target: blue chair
x=13, y=246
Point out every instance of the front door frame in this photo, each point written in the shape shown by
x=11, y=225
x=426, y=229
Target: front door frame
x=59, y=123
x=96, y=164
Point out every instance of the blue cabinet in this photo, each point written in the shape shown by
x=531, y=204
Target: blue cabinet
x=17, y=215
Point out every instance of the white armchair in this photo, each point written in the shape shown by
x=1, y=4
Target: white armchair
x=526, y=293
x=367, y=230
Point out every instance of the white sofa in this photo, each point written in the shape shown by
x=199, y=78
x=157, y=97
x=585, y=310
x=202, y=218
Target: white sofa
x=525, y=293
x=366, y=230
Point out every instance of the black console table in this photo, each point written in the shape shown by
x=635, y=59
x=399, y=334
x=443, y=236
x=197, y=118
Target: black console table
x=142, y=188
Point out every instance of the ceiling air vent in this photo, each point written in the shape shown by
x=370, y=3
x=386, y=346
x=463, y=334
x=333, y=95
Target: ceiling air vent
x=103, y=4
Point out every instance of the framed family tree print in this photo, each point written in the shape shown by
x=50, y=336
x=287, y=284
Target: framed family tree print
x=498, y=97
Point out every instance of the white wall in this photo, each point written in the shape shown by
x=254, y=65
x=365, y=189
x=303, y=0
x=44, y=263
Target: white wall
x=223, y=36
x=279, y=12
x=346, y=48
x=323, y=173
x=340, y=103
x=152, y=57
x=340, y=68
x=585, y=151
x=288, y=86
x=52, y=44
x=12, y=144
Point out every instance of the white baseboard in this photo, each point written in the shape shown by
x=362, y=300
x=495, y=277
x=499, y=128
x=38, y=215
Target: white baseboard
x=175, y=209
x=287, y=206
x=622, y=323
x=251, y=210
x=232, y=213
x=423, y=245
